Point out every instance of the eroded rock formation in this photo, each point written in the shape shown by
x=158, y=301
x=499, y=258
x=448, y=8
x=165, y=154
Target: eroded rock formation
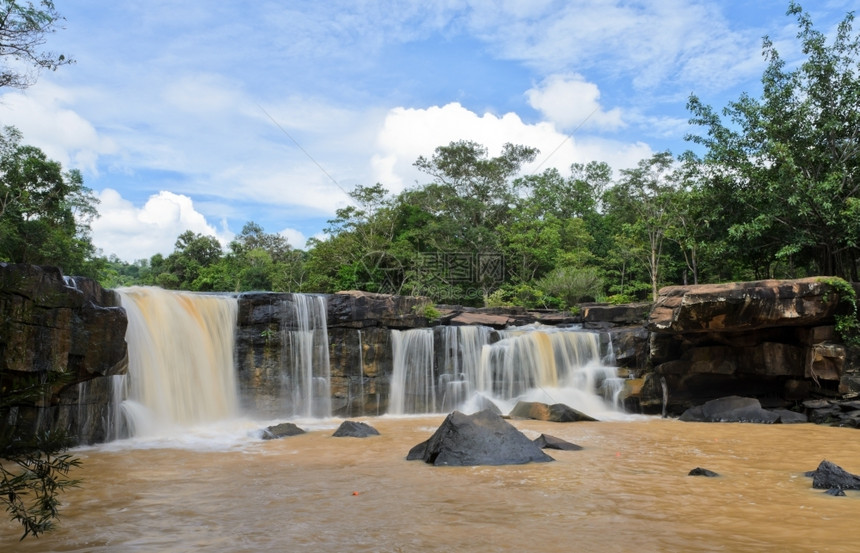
x=69, y=331
x=772, y=339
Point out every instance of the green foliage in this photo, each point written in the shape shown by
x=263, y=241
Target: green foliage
x=428, y=311
x=782, y=173
x=571, y=286
x=23, y=28
x=848, y=323
x=45, y=212
x=33, y=470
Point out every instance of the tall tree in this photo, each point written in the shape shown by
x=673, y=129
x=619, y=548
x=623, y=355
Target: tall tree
x=45, y=213
x=23, y=31
x=644, y=194
x=785, y=168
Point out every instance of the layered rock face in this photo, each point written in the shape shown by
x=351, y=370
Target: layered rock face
x=66, y=331
x=771, y=339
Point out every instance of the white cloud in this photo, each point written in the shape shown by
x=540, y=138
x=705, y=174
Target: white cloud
x=41, y=115
x=296, y=238
x=570, y=101
x=134, y=233
x=409, y=133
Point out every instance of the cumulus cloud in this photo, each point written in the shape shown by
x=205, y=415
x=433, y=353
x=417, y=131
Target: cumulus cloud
x=570, y=101
x=296, y=238
x=44, y=118
x=133, y=233
x=408, y=133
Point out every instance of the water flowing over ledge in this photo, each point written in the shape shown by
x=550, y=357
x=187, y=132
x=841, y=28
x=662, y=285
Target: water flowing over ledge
x=183, y=365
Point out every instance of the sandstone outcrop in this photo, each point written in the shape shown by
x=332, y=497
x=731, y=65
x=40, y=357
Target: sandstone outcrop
x=772, y=339
x=68, y=330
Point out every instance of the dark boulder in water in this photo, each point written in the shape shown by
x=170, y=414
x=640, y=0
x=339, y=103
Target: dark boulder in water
x=787, y=416
x=484, y=438
x=557, y=412
x=355, y=429
x=281, y=431
x=699, y=471
x=831, y=476
x=730, y=409
x=545, y=441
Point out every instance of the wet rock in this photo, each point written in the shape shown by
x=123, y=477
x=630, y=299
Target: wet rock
x=699, y=471
x=730, y=409
x=787, y=416
x=835, y=492
x=484, y=403
x=281, y=431
x=484, y=438
x=545, y=441
x=831, y=476
x=557, y=412
x=355, y=429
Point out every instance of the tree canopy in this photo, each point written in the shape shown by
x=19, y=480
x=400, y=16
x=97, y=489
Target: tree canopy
x=23, y=31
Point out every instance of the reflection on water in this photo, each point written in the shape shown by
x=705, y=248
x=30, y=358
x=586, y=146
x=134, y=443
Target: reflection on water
x=628, y=490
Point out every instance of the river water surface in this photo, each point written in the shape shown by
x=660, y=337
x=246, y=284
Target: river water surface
x=627, y=490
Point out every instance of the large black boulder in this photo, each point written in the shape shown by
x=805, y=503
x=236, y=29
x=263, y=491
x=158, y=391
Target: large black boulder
x=730, y=409
x=484, y=438
x=355, y=429
x=829, y=476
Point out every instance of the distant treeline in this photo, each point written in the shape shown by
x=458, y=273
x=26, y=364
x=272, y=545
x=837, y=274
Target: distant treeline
x=773, y=192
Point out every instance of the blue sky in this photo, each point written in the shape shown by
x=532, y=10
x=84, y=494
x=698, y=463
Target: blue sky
x=182, y=115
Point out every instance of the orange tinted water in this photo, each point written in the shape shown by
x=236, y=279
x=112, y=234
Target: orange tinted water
x=628, y=490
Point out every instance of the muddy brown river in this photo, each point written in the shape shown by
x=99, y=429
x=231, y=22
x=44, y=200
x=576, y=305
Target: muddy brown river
x=627, y=490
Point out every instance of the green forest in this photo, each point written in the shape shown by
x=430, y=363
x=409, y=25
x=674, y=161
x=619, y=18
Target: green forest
x=768, y=189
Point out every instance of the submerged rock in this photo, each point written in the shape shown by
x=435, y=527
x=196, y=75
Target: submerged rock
x=699, y=471
x=281, y=431
x=730, y=409
x=557, y=412
x=829, y=476
x=484, y=438
x=354, y=429
x=545, y=441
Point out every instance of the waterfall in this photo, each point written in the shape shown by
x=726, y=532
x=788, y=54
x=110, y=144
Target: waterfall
x=533, y=364
x=552, y=366
x=180, y=349
x=461, y=373
x=305, y=356
x=413, y=388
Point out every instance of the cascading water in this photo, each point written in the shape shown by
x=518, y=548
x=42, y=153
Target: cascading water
x=532, y=364
x=305, y=356
x=180, y=359
x=551, y=366
x=413, y=388
x=460, y=371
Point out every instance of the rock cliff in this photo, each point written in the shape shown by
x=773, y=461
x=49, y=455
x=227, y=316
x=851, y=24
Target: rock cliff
x=68, y=332
x=772, y=339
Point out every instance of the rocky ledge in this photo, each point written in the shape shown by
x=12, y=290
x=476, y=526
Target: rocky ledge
x=774, y=340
